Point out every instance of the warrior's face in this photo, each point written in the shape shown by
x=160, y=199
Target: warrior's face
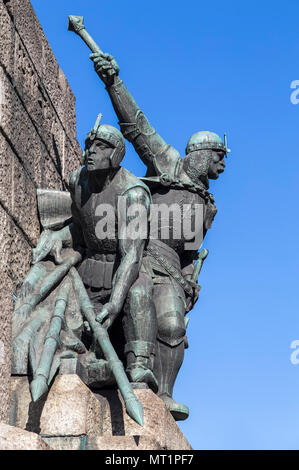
x=202, y=165
x=216, y=164
x=97, y=155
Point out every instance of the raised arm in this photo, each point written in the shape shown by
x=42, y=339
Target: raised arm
x=159, y=157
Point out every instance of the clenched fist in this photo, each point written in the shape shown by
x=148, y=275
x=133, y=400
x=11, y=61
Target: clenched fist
x=106, y=67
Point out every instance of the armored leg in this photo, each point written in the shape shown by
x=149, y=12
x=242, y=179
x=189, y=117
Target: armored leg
x=140, y=329
x=170, y=345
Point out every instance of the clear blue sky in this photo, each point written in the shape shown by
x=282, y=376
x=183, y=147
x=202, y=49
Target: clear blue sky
x=225, y=67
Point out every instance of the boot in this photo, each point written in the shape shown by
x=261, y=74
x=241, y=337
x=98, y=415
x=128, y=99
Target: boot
x=168, y=362
x=140, y=359
x=179, y=411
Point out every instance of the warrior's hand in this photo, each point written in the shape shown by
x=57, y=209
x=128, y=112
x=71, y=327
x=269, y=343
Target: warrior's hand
x=107, y=315
x=106, y=67
x=25, y=290
x=49, y=243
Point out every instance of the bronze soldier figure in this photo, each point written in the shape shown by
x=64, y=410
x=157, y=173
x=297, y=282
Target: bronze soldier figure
x=171, y=180
x=111, y=264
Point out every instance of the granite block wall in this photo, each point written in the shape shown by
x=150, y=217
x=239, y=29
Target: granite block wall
x=38, y=149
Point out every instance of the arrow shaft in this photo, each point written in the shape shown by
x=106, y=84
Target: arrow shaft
x=101, y=335
x=52, y=337
x=39, y=385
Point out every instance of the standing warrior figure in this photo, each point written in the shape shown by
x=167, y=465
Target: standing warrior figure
x=172, y=180
x=111, y=264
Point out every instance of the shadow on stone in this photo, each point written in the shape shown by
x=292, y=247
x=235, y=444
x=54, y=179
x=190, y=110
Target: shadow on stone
x=57, y=156
x=34, y=415
x=116, y=412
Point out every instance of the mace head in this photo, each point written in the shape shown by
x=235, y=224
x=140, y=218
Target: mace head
x=76, y=23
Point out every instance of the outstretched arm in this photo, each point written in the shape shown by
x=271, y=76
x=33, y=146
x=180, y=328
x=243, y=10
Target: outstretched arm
x=159, y=157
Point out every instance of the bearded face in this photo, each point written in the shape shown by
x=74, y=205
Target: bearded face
x=202, y=165
x=216, y=165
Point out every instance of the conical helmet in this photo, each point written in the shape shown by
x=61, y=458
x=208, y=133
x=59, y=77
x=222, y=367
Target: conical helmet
x=112, y=136
x=206, y=140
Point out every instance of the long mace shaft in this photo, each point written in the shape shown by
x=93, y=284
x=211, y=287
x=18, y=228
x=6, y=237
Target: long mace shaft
x=76, y=25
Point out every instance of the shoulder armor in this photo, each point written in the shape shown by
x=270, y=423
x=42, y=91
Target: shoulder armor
x=131, y=181
x=73, y=179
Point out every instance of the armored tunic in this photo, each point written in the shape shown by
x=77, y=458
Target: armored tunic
x=163, y=177
x=102, y=259
x=166, y=253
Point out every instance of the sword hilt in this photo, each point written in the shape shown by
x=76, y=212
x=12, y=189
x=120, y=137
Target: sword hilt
x=201, y=257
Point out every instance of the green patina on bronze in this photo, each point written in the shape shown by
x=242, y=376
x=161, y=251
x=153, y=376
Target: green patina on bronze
x=22, y=312
x=172, y=180
x=132, y=404
x=39, y=384
x=116, y=305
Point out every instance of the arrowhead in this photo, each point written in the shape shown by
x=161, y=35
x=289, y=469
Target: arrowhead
x=38, y=387
x=135, y=410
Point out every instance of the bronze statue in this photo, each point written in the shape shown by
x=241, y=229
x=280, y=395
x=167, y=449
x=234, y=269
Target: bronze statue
x=91, y=275
x=171, y=180
x=110, y=264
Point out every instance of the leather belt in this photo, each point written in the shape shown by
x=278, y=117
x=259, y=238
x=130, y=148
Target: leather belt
x=170, y=269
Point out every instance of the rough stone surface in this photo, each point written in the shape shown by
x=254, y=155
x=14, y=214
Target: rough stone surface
x=6, y=291
x=73, y=366
x=17, y=192
x=158, y=422
x=72, y=417
x=7, y=39
x=122, y=443
x=15, y=251
x=71, y=409
x=66, y=443
x=24, y=413
x=12, y=438
x=38, y=148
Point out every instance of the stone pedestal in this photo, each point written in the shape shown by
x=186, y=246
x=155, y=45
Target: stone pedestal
x=13, y=438
x=71, y=417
